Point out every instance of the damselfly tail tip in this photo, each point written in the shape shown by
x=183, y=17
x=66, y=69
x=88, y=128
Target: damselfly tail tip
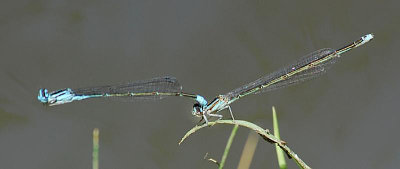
x=43, y=95
x=368, y=37
x=365, y=39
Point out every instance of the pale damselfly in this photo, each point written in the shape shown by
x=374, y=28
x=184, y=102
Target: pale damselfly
x=307, y=67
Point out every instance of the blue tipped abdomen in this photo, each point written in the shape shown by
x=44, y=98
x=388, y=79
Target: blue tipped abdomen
x=43, y=95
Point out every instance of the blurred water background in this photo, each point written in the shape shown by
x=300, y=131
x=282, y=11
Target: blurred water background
x=347, y=118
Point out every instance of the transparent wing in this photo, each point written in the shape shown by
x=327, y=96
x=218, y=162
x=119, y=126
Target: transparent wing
x=308, y=67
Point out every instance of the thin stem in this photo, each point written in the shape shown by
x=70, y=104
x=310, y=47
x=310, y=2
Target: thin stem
x=95, y=154
x=228, y=146
x=279, y=152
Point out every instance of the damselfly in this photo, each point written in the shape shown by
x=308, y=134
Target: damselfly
x=307, y=67
x=156, y=88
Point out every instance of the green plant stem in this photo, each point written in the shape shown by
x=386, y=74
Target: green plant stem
x=228, y=146
x=279, y=152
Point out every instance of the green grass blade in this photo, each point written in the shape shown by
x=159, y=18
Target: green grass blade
x=279, y=152
x=228, y=146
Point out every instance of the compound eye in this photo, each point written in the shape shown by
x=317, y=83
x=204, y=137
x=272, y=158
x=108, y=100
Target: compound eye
x=196, y=106
x=196, y=109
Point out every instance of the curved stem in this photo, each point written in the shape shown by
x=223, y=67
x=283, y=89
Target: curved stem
x=265, y=134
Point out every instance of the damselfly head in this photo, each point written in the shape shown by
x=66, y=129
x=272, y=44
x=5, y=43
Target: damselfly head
x=197, y=110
